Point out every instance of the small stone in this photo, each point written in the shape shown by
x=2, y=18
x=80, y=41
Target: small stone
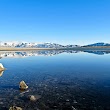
x=73, y=108
x=67, y=100
x=23, y=85
x=75, y=102
x=1, y=67
x=1, y=73
x=1, y=103
x=15, y=108
x=32, y=98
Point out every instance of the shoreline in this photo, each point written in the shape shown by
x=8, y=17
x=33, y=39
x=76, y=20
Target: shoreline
x=24, y=49
x=33, y=49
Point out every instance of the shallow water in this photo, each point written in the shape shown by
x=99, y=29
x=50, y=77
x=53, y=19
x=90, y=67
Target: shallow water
x=60, y=79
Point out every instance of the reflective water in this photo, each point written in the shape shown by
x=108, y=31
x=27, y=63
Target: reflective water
x=63, y=79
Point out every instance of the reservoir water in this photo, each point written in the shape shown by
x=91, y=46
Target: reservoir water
x=61, y=80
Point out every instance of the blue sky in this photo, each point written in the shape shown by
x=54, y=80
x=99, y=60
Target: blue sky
x=60, y=21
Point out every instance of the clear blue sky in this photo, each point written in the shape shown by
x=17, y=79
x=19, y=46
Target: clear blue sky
x=60, y=21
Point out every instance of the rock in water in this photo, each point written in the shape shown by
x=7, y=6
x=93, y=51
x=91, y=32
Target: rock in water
x=1, y=73
x=15, y=108
x=73, y=108
x=32, y=98
x=23, y=85
x=1, y=67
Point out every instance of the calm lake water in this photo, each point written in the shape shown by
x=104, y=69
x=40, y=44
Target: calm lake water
x=61, y=80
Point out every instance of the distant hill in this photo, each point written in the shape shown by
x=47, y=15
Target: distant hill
x=97, y=44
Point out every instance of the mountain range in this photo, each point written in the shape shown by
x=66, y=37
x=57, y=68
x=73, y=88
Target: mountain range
x=46, y=45
x=35, y=45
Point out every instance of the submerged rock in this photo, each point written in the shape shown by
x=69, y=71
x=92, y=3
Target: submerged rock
x=23, y=85
x=1, y=73
x=34, y=98
x=15, y=108
x=73, y=108
x=1, y=67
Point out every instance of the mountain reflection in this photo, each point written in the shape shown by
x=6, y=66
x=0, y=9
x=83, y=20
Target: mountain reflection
x=98, y=52
x=44, y=53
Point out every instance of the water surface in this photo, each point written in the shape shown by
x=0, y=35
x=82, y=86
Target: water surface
x=63, y=80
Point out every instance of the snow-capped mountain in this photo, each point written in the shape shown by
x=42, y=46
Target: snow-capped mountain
x=34, y=45
x=99, y=44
